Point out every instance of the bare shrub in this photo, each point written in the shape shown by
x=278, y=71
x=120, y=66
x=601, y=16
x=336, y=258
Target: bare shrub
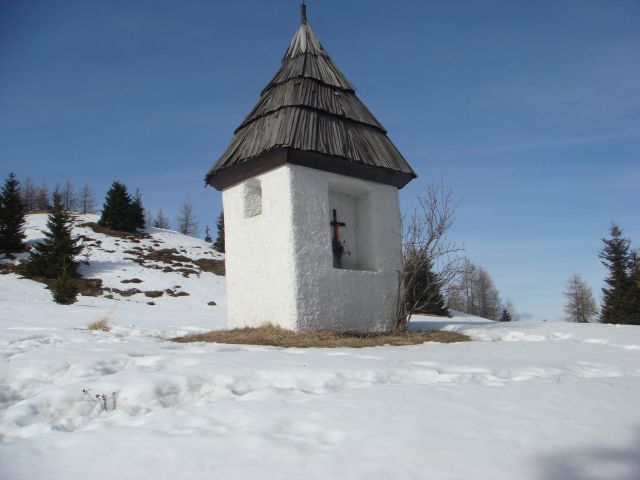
x=424, y=237
x=106, y=402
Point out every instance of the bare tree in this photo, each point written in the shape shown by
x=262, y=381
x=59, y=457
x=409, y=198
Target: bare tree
x=425, y=238
x=581, y=306
x=187, y=220
x=475, y=293
x=42, y=197
x=487, y=296
x=462, y=295
x=148, y=218
x=160, y=220
x=68, y=196
x=28, y=194
x=86, y=202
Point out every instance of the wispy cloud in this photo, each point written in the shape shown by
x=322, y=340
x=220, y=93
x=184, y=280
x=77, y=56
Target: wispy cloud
x=557, y=142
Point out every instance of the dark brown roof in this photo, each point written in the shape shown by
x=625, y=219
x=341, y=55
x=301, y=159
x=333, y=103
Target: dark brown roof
x=309, y=115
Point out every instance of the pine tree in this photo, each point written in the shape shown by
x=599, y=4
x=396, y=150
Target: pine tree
x=137, y=212
x=207, y=235
x=64, y=288
x=632, y=298
x=424, y=295
x=615, y=256
x=12, y=213
x=55, y=256
x=505, y=317
x=116, y=212
x=219, y=243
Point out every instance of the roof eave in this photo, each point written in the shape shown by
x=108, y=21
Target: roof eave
x=227, y=177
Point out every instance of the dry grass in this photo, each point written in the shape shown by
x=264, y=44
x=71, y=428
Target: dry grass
x=279, y=337
x=102, y=324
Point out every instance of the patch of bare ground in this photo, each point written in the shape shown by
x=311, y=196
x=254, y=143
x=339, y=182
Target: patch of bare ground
x=88, y=287
x=114, y=233
x=173, y=293
x=279, y=337
x=153, y=293
x=211, y=265
x=6, y=268
x=166, y=255
x=125, y=293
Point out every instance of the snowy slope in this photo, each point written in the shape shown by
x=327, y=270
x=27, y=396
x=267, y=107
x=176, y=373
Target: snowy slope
x=524, y=401
x=112, y=260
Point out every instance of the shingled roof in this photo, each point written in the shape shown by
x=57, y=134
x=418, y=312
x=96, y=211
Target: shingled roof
x=309, y=115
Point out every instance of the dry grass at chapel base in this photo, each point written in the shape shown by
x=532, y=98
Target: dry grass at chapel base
x=279, y=337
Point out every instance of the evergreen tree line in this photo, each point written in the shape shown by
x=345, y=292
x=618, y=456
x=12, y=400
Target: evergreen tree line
x=621, y=293
x=121, y=210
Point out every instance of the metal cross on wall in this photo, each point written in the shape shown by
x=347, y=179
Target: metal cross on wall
x=337, y=247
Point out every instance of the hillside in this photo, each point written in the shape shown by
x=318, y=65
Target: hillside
x=524, y=401
x=149, y=281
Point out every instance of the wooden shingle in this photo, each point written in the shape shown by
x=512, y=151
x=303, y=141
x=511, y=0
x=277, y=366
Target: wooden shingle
x=309, y=114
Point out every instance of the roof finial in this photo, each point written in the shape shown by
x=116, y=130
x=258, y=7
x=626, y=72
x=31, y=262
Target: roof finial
x=303, y=13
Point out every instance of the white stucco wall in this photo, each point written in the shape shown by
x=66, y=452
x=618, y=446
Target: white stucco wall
x=259, y=252
x=345, y=299
x=280, y=263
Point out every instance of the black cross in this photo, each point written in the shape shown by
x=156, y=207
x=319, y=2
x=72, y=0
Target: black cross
x=336, y=226
x=336, y=246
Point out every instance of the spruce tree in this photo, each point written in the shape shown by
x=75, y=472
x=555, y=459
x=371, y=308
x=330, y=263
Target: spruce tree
x=12, y=213
x=137, y=212
x=505, y=317
x=615, y=256
x=207, y=235
x=64, y=288
x=117, y=210
x=632, y=298
x=219, y=243
x=55, y=256
x=424, y=294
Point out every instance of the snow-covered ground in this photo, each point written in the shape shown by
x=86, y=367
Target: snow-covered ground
x=524, y=401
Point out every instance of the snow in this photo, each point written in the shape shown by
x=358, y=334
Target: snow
x=526, y=400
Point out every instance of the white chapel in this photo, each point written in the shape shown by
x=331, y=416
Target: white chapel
x=309, y=187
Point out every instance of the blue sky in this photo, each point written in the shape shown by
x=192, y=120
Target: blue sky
x=528, y=111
